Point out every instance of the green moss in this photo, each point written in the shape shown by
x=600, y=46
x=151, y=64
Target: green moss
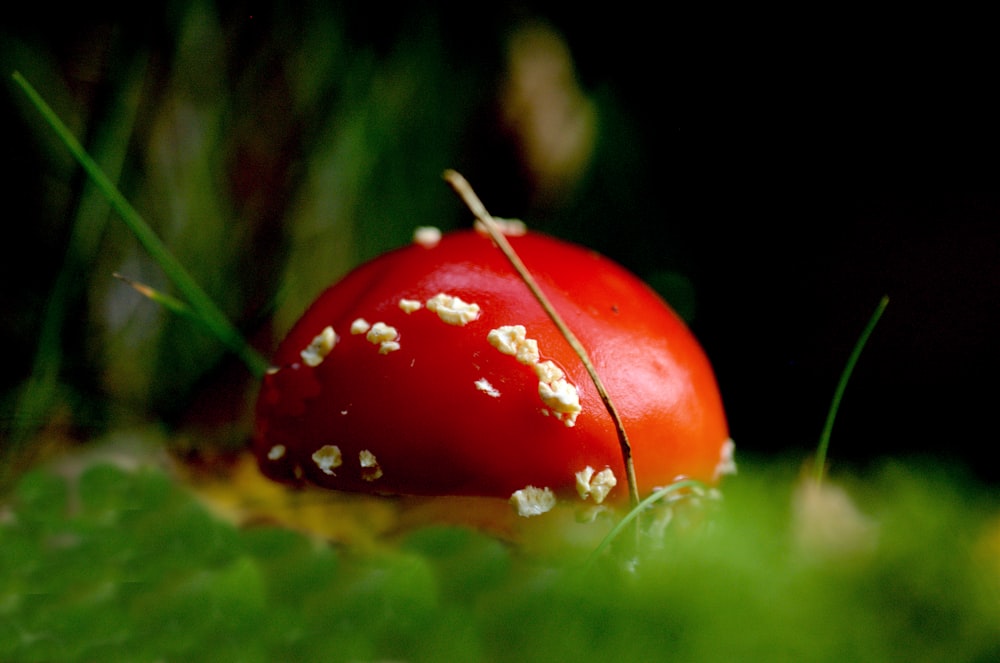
x=126, y=565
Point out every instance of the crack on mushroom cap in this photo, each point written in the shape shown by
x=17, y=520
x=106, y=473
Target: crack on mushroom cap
x=531, y=501
x=314, y=354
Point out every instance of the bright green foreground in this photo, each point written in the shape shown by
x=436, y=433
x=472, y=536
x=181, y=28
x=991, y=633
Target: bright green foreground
x=128, y=565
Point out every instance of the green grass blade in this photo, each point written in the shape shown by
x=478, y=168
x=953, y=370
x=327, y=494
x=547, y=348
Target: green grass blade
x=838, y=394
x=637, y=511
x=196, y=297
x=43, y=388
x=172, y=304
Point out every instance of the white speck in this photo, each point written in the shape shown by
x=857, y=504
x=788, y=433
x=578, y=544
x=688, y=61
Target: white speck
x=410, y=305
x=452, y=309
x=511, y=340
x=583, y=478
x=548, y=372
x=271, y=370
x=319, y=348
x=483, y=385
x=531, y=501
x=558, y=394
x=343, y=413
x=367, y=459
x=506, y=339
x=562, y=398
x=381, y=332
x=589, y=484
x=508, y=227
x=370, y=470
x=327, y=458
x=276, y=452
x=383, y=336
x=427, y=236
x=360, y=326
x=727, y=461
x=527, y=352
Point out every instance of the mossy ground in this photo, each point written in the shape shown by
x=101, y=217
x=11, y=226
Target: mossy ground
x=112, y=561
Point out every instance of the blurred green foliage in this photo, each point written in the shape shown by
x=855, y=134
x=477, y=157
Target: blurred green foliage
x=114, y=564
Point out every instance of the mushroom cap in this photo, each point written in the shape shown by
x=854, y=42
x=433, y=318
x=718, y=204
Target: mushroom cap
x=442, y=411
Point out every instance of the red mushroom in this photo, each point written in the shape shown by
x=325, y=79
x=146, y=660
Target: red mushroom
x=432, y=370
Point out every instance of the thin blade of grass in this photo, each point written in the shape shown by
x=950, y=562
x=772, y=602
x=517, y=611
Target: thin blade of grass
x=172, y=304
x=636, y=511
x=199, y=301
x=838, y=394
x=40, y=392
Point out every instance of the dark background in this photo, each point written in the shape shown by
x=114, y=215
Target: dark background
x=793, y=168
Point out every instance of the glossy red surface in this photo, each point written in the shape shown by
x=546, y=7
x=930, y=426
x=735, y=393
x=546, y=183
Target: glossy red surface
x=420, y=412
